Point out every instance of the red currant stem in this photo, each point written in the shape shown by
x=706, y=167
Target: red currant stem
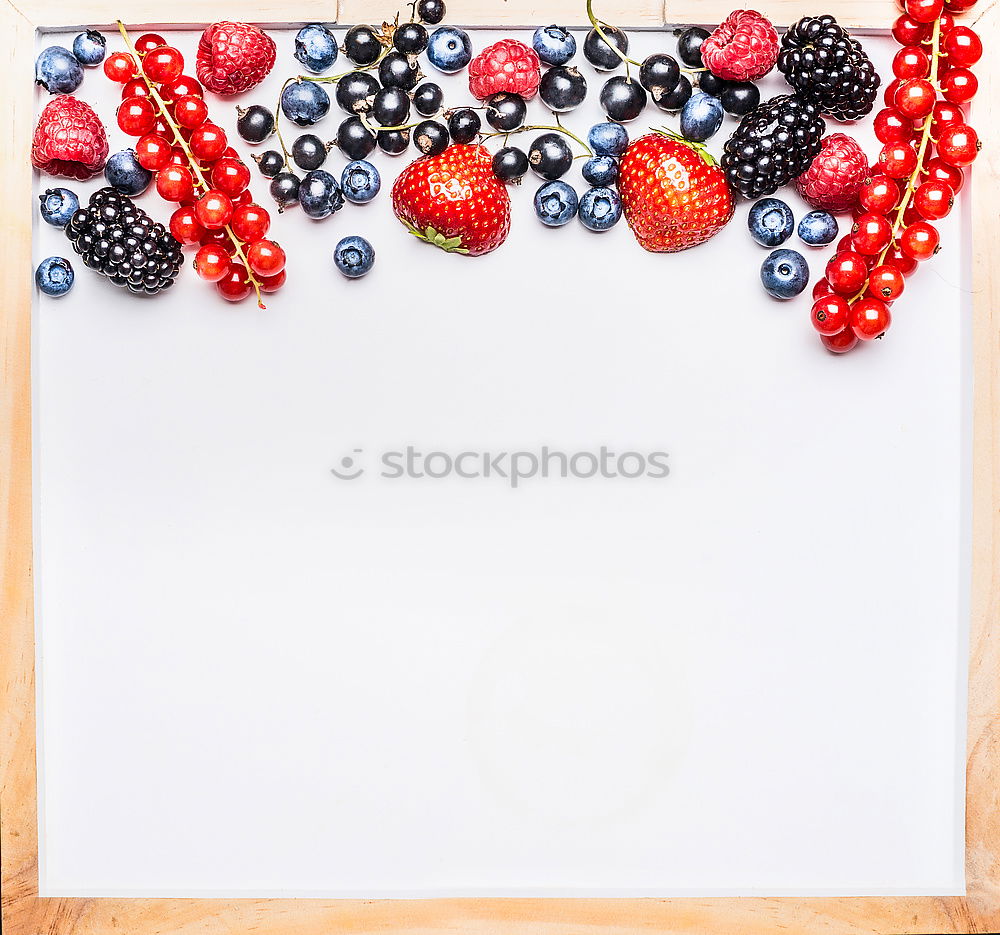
x=925, y=140
x=558, y=129
x=277, y=125
x=598, y=24
x=193, y=163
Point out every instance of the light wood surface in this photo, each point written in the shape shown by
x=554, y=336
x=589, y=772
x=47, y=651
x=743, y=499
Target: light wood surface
x=25, y=913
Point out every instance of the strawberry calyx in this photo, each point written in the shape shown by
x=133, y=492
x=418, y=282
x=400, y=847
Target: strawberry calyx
x=699, y=148
x=432, y=236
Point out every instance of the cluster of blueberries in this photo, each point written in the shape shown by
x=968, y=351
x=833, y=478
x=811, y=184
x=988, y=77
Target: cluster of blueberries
x=785, y=273
x=60, y=71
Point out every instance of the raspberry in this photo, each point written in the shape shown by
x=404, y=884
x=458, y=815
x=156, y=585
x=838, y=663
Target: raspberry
x=69, y=140
x=506, y=66
x=836, y=175
x=234, y=57
x=743, y=48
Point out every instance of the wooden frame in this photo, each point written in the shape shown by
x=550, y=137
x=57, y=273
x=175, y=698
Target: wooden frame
x=26, y=913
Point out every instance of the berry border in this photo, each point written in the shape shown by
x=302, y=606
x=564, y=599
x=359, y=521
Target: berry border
x=24, y=912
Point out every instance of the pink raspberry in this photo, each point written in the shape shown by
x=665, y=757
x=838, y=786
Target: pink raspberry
x=69, y=140
x=234, y=57
x=836, y=175
x=743, y=48
x=507, y=65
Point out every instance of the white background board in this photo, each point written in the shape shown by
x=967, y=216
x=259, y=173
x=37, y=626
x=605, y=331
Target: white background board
x=255, y=678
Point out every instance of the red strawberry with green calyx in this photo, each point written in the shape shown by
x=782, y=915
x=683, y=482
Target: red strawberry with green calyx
x=454, y=201
x=673, y=192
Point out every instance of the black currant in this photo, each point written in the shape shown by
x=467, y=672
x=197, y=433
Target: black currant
x=285, y=189
x=689, y=46
x=309, y=152
x=550, y=156
x=505, y=111
x=510, y=164
x=623, y=98
x=562, y=88
x=431, y=11
x=397, y=70
x=673, y=101
x=391, y=107
x=269, y=163
x=355, y=139
x=430, y=137
x=410, y=38
x=659, y=71
x=354, y=92
x=254, y=124
x=428, y=98
x=711, y=84
x=464, y=125
x=362, y=45
x=601, y=55
x=740, y=97
x=393, y=142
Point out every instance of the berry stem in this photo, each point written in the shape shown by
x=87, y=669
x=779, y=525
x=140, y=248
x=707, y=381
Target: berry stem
x=557, y=129
x=598, y=25
x=193, y=163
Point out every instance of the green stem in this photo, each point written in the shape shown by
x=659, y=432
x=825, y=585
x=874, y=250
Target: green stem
x=557, y=129
x=598, y=24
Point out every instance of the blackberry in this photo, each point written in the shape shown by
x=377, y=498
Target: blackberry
x=828, y=68
x=123, y=243
x=774, y=143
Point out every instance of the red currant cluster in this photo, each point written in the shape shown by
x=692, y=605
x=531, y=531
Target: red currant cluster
x=196, y=169
x=912, y=185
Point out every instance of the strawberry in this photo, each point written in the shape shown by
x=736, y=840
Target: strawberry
x=454, y=201
x=69, y=140
x=834, y=178
x=743, y=48
x=506, y=66
x=234, y=57
x=674, y=194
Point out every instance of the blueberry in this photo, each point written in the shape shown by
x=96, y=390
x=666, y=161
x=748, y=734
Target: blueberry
x=360, y=182
x=58, y=70
x=550, y=156
x=410, y=38
x=304, y=103
x=285, y=189
x=449, y=49
x=818, y=228
x=397, y=70
x=689, y=46
x=562, y=89
x=362, y=45
x=430, y=137
x=675, y=100
x=254, y=123
x=659, y=72
x=770, y=222
x=269, y=163
x=608, y=139
x=393, y=142
x=123, y=173
x=58, y=206
x=601, y=55
x=785, y=274
x=600, y=209
x=309, y=152
x=354, y=256
x=89, y=48
x=54, y=276
x=505, y=111
x=740, y=97
x=510, y=164
x=701, y=118
x=464, y=125
x=428, y=98
x=320, y=195
x=431, y=11
x=391, y=107
x=356, y=93
x=623, y=98
x=555, y=45
x=355, y=140
x=712, y=84
x=556, y=204
x=601, y=171
x=315, y=48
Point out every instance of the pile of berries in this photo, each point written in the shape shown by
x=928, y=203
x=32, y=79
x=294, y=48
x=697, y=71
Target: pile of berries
x=927, y=145
x=194, y=167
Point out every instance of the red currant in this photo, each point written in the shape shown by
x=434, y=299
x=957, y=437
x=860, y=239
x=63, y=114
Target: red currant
x=163, y=64
x=235, y=284
x=945, y=113
x=230, y=175
x=905, y=264
x=830, y=314
x=847, y=272
x=174, y=183
x=871, y=234
x=898, y=160
x=243, y=198
x=870, y=318
x=190, y=112
x=891, y=127
x=120, y=67
x=208, y=142
x=959, y=86
x=889, y=95
x=178, y=157
x=136, y=116
x=911, y=62
x=213, y=209
x=879, y=195
x=219, y=237
x=135, y=87
x=840, y=343
x=250, y=222
x=920, y=241
x=934, y=200
x=940, y=170
x=907, y=31
x=963, y=47
x=959, y=6
x=162, y=128
x=147, y=42
x=924, y=11
x=886, y=282
x=272, y=283
x=152, y=152
x=915, y=98
x=958, y=145
x=821, y=289
x=181, y=87
x=212, y=262
x=185, y=227
x=946, y=24
x=266, y=258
